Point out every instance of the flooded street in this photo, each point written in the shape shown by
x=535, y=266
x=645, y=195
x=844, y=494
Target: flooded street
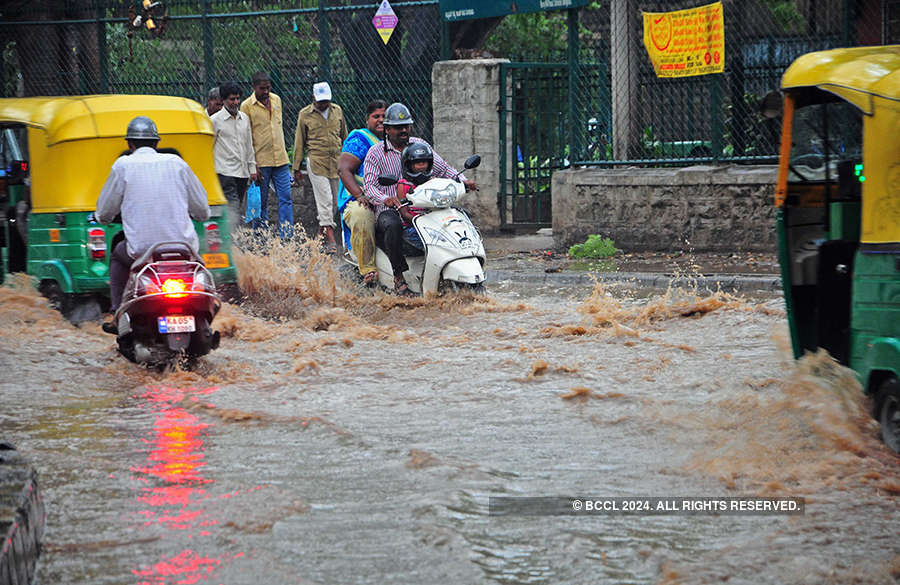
x=339, y=436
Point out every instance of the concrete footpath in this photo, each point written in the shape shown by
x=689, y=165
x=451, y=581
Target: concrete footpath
x=534, y=259
x=22, y=517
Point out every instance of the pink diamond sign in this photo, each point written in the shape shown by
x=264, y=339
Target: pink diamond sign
x=385, y=21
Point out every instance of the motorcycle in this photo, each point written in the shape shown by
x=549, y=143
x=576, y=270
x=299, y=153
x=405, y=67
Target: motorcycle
x=167, y=307
x=454, y=256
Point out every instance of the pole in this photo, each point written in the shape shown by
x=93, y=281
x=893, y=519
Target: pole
x=324, y=45
x=575, y=124
x=208, y=62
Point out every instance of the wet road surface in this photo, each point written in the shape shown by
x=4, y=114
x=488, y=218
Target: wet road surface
x=339, y=436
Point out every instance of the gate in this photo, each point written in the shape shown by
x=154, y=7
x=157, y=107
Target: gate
x=547, y=119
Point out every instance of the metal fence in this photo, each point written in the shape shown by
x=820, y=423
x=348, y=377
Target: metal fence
x=87, y=47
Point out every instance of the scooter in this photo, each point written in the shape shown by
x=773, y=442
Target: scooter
x=454, y=253
x=167, y=307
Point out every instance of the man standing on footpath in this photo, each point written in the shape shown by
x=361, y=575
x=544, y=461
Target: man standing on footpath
x=321, y=130
x=233, y=148
x=384, y=159
x=213, y=102
x=355, y=210
x=264, y=110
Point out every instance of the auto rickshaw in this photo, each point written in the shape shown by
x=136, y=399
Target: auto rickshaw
x=838, y=215
x=58, y=152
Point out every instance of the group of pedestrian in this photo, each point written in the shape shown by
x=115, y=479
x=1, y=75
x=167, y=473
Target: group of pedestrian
x=341, y=165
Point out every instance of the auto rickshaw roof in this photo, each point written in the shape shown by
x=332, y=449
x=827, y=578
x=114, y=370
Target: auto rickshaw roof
x=104, y=116
x=856, y=75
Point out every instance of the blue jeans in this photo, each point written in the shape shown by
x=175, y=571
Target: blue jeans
x=281, y=177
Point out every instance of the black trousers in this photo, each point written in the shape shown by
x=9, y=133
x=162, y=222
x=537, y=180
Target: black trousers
x=119, y=266
x=235, y=189
x=389, y=235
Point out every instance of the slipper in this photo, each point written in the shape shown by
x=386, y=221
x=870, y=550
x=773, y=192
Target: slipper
x=370, y=279
x=402, y=290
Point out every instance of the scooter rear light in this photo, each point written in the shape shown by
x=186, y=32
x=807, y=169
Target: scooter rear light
x=97, y=243
x=174, y=288
x=213, y=238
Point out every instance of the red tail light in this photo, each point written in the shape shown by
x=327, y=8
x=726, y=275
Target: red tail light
x=174, y=288
x=213, y=238
x=97, y=243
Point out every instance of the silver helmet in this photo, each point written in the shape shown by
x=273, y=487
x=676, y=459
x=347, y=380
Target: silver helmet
x=397, y=115
x=141, y=128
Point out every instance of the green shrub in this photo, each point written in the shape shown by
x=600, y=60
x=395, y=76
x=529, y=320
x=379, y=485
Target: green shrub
x=595, y=247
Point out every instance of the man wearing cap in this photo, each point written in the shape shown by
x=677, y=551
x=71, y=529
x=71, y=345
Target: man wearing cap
x=156, y=194
x=321, y=130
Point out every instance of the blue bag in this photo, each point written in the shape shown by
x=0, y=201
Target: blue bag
x=253, y=203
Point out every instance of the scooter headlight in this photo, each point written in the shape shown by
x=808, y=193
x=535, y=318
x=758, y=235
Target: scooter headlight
x=443, y=197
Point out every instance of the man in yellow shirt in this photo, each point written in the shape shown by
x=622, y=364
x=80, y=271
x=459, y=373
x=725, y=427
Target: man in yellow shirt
x=264, y=110
x=321, y=131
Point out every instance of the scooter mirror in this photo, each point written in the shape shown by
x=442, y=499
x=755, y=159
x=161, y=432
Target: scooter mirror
x=473, y=161
x=387, y=180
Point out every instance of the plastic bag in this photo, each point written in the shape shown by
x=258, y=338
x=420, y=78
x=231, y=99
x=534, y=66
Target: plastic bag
x=253, y=203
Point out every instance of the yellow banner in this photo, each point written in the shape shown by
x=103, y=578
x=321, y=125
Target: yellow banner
x=686, y=42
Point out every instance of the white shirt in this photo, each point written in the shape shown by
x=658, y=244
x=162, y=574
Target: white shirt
x=233, y=147
x=157, y=195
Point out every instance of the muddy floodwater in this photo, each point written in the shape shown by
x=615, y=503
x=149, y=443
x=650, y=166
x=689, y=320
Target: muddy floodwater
x=343, y=436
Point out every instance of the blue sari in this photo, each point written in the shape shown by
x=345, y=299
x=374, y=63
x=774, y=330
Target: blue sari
x=357, y=144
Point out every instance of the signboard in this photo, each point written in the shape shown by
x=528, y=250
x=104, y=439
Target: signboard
x=686, y=42
x=453, y=10
x=385, y=21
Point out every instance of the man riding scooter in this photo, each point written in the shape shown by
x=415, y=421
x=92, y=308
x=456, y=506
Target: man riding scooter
x=384, y=159
x=157, y=195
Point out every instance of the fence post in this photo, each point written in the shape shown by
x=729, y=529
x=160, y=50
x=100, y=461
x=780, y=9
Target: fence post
x=715, y=107
x=208, y=62
x=575, y=124
x=102, y=57
x=624, y=64
x=445, y=40
x=504, y=147
x=324, y=45
x=739, y=114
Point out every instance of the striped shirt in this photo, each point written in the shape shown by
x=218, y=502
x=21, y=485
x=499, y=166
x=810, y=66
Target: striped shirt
x=384, y=159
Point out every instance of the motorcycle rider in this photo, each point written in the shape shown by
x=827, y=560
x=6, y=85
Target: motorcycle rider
x=384, y=159
x=156, y=194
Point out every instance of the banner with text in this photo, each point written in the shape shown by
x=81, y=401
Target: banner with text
x=686, y=42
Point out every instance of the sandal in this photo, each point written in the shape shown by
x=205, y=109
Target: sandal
x=370, y=279
x=401, y=289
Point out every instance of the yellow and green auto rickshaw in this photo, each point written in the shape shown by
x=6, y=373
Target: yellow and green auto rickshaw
x=838, y=215
x=57, y=153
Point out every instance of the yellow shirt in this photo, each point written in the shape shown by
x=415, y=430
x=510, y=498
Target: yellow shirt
x=322, y=138
x=268, y=133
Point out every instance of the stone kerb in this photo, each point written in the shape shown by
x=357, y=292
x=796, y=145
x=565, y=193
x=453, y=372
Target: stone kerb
x=702, y=208
x=465, y=95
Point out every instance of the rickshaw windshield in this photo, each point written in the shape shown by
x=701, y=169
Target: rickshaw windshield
x=824, y=136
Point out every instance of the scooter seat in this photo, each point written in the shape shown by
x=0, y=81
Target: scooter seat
x=165, y=251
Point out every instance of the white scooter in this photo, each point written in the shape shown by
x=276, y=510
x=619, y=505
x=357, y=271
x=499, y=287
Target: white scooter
x=454, y=253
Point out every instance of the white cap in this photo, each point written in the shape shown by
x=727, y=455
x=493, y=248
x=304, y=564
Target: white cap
x=322, y=91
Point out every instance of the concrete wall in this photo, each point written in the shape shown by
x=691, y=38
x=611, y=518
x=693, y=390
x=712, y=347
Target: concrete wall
x=465, y=96
x=703, y=208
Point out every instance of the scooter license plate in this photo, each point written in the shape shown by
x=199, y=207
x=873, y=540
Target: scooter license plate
x=176, y=324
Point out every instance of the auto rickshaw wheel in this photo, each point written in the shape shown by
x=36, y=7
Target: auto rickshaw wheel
x=58, y=299
x=889, y=415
